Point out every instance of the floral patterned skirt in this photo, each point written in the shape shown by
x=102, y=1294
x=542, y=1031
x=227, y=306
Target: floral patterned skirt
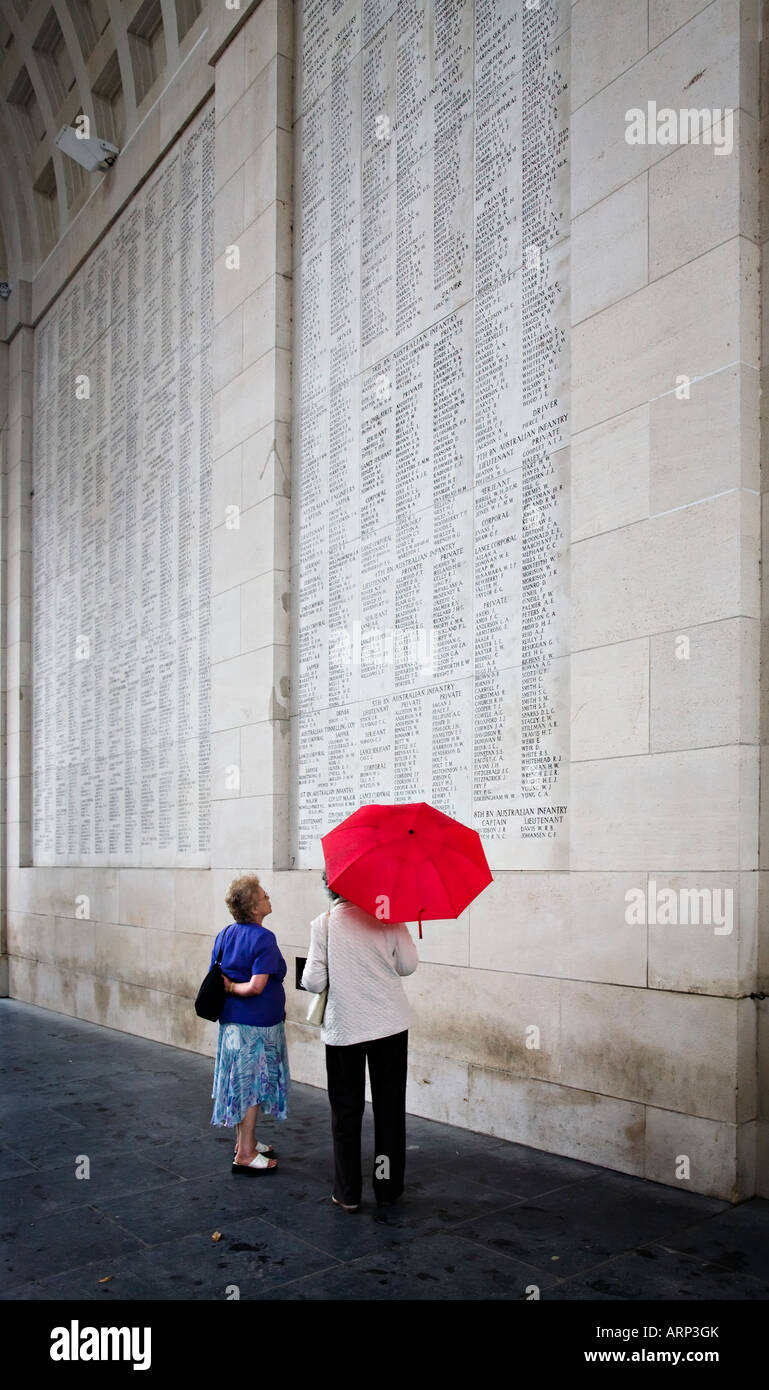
x=251, y=1069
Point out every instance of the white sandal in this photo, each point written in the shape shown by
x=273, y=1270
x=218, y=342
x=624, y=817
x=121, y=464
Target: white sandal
x=259, y=1164
x=264, y=1149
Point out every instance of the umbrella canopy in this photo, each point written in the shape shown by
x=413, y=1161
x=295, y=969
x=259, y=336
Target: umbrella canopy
x=407, y=862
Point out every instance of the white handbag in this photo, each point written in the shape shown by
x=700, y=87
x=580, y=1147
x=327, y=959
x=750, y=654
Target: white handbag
x=317, y=1008
x=318, y=1002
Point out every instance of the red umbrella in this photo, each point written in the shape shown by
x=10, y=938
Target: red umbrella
x=407, y=862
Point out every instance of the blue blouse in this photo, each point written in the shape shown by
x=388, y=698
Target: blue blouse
x=252, y=950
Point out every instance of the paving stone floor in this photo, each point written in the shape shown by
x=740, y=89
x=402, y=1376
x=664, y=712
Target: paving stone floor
x=480, y=1219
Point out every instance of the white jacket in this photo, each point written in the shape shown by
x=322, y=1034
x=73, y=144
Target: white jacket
x=359, y=959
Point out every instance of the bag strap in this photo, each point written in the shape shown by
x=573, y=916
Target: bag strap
x=328, y=916
x=221, y=948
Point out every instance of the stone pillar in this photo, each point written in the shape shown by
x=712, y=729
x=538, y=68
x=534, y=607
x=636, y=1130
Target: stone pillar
x=251, y=485
x=16, y=531
x=762, y=983
x=665, y=568
x=4, y=385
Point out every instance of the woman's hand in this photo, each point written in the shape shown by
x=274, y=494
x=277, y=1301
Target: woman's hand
x=244, y=990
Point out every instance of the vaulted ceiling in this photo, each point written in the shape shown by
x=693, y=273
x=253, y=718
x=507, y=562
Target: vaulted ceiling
x=61, y=59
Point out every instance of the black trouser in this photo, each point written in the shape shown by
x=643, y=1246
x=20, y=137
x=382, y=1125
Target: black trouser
x=346, y=1073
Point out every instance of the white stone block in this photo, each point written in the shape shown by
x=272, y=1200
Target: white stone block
x=177, y=961
x=692, y=808
x=241, y=689
x=762, y=1158
x=719, y=187
x=297, y=897
x=444, y=942
x=244, y=830
x=246, y=404
x=273, y=83
x=610, y=700
x=437, y=1088
x=265, y=611
x=230, y=74
x=693, y=321
x=18, y=671
x=568, y=925
x=55, y=988
x=750, y=548
x=31, y=935
x=226, y=764
x=257, y=253
x=225, y=624
x=763, y=909
x=228, y=348
x=670, y=572
x=677, y=1051
x=22, y=978
x=747, y=1051
x=226, y=485
x=75, y=943
x=264, y=759
x=602, y=159
x=704, y=439
x=193, y=901
x=188, y=1031
x=609, y=249
x=307, y=1055
x=20, y=574
x=268, y=174
x=709, y=945
x=229, y=218
x=762, y=1054
x=120, y=953
x=48, y=891
x=251, y=119
x=704, y=685
x=490, y=1018
x=665, y=16
x=559, y=1119
x=607, y=36
x=267, y=318
x=244, y=547
x=267, y=463
x=146, y=897
x=706, y=1150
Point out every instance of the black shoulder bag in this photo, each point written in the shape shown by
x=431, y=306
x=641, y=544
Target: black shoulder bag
x=210, y=1000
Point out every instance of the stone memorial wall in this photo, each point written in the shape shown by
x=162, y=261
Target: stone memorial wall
x=121, y=538
x=453, y=265
x=430, y=418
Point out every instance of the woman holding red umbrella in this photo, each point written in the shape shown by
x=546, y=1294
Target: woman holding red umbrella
x=360, y=960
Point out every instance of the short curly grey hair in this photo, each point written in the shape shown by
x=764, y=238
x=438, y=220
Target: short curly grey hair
x=242, y=896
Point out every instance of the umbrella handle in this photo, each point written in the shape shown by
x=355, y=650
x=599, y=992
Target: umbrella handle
x=420, y=926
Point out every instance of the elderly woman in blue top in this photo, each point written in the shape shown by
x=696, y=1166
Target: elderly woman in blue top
x=251, y=1071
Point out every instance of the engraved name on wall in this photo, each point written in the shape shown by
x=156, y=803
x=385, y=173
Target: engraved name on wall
x=430, y=421
x=121, y=534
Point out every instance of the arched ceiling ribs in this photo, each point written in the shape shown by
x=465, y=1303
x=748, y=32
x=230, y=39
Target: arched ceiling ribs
x=85, y=96
x=17, y=212
x=120, y=39
x=171, y=28
x=38, y=165
x=106, y=59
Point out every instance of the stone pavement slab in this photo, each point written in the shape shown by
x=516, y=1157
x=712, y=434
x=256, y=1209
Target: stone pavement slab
x=481, y=1218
